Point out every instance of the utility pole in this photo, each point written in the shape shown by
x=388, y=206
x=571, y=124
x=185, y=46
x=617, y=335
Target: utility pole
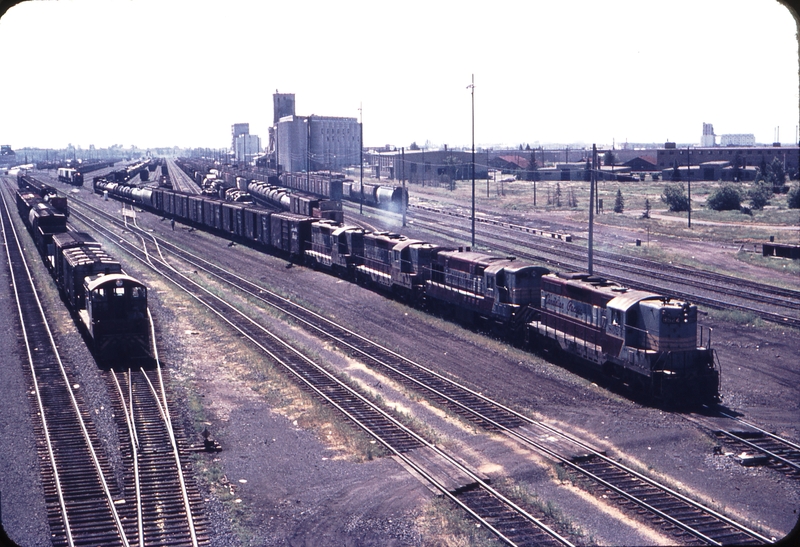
x=591, y=205
x=361, y=156
x=689, y=182
x=472, y=91
x=403, y=175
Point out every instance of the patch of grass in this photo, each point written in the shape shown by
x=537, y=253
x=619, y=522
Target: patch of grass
x=777, y=264
x=444, y=524
x=736, y=317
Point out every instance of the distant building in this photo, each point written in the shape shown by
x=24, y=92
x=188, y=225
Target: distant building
x=421, y=166
x=282, y=106
x=708, y=139
x=313, y=143
x=737, y=139
x=744, y=156
x=642, y=163
x=237, y=130
x=246, y=148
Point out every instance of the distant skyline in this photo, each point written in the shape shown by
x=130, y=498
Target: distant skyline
x=180, y=73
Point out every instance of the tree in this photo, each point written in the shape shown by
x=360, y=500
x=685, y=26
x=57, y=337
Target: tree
x=676, y=175
x=619, y=203
x=793, y=198
x=608, y=158
x=759, y=195
x=725, y=198
x=647, y=208
x=558, y=194
x=675, y=197
x=413, y=146
x=776, y=175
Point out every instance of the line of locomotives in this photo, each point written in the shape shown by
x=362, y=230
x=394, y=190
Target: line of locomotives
x=110, y=306
x=647, y=340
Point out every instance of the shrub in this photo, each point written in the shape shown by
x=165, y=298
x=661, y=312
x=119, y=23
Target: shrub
x=759, y=195
x=793, y=198
x=675, y=198
x=726, y=198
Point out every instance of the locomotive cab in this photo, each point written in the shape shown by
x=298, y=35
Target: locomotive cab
x=512, y=286
x=660, y=339
x=116, y=316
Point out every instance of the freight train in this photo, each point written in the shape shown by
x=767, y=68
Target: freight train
x=111, y=307
x=647, y=341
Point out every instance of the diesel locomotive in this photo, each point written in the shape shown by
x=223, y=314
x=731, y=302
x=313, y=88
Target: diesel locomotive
x=648, y=341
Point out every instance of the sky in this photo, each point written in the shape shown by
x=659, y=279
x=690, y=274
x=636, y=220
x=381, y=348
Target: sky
x=157, y=73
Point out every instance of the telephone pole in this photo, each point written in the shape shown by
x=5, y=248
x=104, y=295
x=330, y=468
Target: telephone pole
x=471, y=87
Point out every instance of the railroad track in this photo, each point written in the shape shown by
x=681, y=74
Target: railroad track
x=82, y=503
x=165, y=504
x=753, y=445
x=682, y=515
x=154, y=505
x=714, y=290
x=501, y=516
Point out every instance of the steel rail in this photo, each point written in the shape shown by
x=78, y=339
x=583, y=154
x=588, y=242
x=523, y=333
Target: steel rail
x=665, y=516
x=357, y=395
x=130, y=421
x=483, y=417
x=68, y=386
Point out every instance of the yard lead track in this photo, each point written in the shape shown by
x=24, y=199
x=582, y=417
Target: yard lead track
x=683, y=514
x=501, y=516
x=81, y=504
x=168, y=508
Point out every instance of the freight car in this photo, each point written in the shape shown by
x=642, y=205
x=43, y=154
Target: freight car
x=42, y=219
x=44, y=191
x=70, y=176
x=111, y=307
x=647, y=341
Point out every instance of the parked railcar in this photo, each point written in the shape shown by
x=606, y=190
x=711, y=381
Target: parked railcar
x=44, y=191
x=70, y=176
x=42, y=219
x=290, y=233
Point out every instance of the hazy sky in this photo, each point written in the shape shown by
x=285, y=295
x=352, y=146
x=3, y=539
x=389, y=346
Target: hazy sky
x=179, y=72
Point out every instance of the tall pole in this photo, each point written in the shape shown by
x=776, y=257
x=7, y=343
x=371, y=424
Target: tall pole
x=689, y=181
x=591, y=205
x=403, y=176
x=308, y=150
x=361, y=157
x=472, y=91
